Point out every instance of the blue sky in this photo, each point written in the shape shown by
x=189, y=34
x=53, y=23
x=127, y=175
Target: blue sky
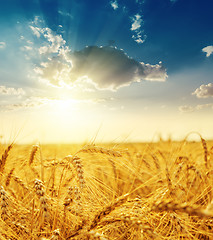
x=108, y=61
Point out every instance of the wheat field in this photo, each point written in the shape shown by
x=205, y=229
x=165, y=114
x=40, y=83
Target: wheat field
x=157, y=190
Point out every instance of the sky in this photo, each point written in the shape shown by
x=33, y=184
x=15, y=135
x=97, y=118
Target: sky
x=110, y=70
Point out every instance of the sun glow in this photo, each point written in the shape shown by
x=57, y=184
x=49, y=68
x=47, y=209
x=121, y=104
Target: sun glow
x=63, y=107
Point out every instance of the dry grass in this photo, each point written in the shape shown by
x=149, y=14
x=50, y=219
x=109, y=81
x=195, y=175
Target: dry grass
x=137, y=191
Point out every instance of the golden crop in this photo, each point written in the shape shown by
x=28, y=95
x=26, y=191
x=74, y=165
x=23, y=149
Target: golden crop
x=129, y=191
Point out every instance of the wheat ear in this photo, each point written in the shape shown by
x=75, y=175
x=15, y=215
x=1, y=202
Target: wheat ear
x=39, y=188
x=4, y=157
x=4, y=203
x=95, y=149
x=33, y=153
x=205, y=149
x=106, y=210
x=193, y=210
x=9, y=176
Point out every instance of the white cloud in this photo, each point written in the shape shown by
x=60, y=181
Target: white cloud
x=106, y=67
x=114, y=4
x=2, y=45
x=153, y=72
x=11, y=91
x=66, y=14
x=36, y=31
x=26, y=48
x=139, y=38
x=54, y=41
x=136, y=28
x=204, y=91
x=136, y=22
x=208, y=50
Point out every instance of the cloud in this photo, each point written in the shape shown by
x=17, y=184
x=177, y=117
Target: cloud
x=54, y=41
x=114, y=4
x=55, y=72
x=23, y=105
x=187, y=108
x=136, y=22
x=105, y=67
x=26, y=48
x=66, y=14
x=11, y=91
x=203, y=106
x=93, y=67
x=38, y=102
x=204, y=91
x=136, y=28
x=36, y=31
x=2, y=45
x=31, y=102
x=208, y=50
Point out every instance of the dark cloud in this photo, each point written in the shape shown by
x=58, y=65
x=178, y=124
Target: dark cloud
x=107, y=67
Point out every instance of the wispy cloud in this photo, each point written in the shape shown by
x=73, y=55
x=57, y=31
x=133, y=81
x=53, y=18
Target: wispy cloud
x=36, y=31
x=204, y=91
x=208, y=50
x=31, y=102
x=26, y=48
x=106, y=67
x=188, y=108
x=38, y=102
x=11, y=91
x=66, y=14
x=203, y=106
x=2, y=45
x=114, y=4
x=136, y=28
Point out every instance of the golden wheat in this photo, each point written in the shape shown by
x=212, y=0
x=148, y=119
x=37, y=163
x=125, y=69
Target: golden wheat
x=152, y=191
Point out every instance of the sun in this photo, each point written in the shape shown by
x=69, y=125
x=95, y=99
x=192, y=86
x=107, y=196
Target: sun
x=63, y=106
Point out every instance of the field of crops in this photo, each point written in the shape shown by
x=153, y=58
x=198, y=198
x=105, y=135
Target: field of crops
x=157, y=190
